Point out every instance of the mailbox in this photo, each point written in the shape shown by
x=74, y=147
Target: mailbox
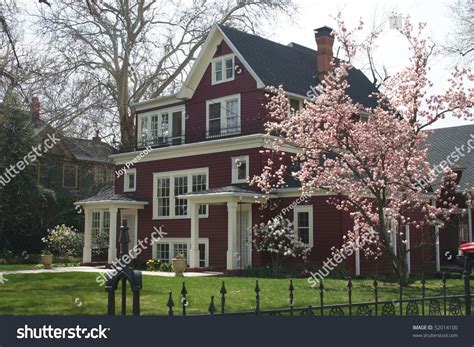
x=466, y=255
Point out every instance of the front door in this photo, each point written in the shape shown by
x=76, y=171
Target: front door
x=244, y=237
x=129, y=218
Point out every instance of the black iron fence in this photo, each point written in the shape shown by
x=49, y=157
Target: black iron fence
x=443, y=304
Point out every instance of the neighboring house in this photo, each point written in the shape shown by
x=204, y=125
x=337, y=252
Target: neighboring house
x=454, y=147
x=74, y=168
x=207, y=140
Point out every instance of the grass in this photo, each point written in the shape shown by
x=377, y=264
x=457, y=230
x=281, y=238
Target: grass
x=79, y=294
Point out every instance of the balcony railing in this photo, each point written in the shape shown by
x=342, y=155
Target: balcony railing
x=222, y=132
x=161, y=141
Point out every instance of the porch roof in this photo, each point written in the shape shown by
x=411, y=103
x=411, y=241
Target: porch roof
x=107, y=196
x=226, y=193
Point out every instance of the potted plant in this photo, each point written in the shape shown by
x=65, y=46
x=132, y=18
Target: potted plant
x=47, y=258
x=179, y=265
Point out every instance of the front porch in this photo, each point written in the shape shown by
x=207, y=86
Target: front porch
x=239, y=203
x=102, y=215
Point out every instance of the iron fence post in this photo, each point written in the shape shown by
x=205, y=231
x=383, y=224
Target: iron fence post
x=423, y=293
x=349, y=293
x=257, y=298
x=401, y=299
x=467, y=286
x=376, y=296
x=321, y=296
x=444, y=292
x=291, y=289
x=184, y=300
x=223, y=292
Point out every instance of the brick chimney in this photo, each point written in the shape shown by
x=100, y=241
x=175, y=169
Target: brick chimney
x=35, y=107
x=97, y=137
x=324, y=42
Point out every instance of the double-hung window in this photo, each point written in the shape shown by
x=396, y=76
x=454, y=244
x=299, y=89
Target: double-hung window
x=168, y=186
x=240, y=169
x=223, y=116
x=130, y=180
x=168, y=248
x=223, y=69
x=303, y=223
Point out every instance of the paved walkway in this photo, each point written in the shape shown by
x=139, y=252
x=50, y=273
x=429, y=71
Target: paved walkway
x=102, y=269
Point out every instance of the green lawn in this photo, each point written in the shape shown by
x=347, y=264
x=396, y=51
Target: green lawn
x=79, y=294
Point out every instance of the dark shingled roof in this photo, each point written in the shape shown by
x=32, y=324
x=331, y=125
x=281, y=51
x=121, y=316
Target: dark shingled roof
x=89, y=150
x=292, y=66
x=444, y=141
x=108, y=194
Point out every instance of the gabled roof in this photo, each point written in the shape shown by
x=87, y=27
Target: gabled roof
x=89, y=150
x=293, y=66
x=443, y=143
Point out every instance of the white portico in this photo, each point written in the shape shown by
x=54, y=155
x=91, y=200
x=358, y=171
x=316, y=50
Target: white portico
x=102, y=213
x=239, y=218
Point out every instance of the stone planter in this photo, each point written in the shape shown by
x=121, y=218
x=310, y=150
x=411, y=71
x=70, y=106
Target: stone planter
x=179, y=265
x=47, y=260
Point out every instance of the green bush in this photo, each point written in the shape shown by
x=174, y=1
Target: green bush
x=166, y=267
x=153, y=265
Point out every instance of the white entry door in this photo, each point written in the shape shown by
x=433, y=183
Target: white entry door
x=129, y=218
x=244, y=237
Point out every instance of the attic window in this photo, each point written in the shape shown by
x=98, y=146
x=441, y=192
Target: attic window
x=223, y=69
x=295, y=104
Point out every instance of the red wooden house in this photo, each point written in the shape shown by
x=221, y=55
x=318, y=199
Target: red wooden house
x=206, y=141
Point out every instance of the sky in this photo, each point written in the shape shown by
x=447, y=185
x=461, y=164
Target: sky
x=392, y=49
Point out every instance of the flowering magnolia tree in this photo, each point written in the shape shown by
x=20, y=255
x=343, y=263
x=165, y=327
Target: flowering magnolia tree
x=371, y=167
x=279, y=238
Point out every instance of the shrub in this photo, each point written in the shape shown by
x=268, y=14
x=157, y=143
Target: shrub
x=166, y=267
x=99, y=243
x=153, y=265
x=63, y=241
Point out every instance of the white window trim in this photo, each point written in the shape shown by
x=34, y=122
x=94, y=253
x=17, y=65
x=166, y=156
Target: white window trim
x=169, y=110
x=223, y=117
x=235, y=171
x=222, y=58
x=101, y=219
x=171, y=175
x=309, y=209
x=173, y=240
x=126, y=178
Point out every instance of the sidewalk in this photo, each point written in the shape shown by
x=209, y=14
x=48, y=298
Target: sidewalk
x=101, y=269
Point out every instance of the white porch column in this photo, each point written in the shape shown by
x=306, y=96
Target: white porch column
x=231, y=235
x=407, y=238
x=438, y=260
x=87, y=253
x=469, y=223
x=194, y=251
x=113, y=235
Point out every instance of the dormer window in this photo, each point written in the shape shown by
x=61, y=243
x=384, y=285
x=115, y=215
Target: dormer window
x=223, y=69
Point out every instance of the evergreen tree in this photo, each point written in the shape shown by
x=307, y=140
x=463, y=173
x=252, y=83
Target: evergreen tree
x=21, y=199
